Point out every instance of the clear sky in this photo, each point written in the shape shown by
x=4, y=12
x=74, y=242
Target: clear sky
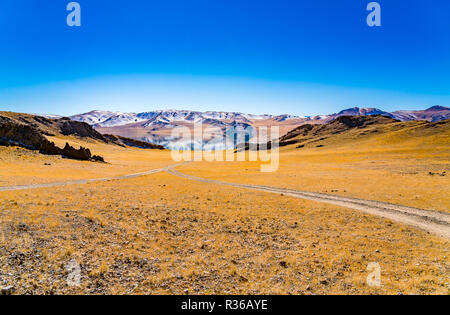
x=258, y=56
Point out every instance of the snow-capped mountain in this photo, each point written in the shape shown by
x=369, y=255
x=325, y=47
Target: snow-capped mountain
x=157, y=118
x=155, y=126
x=94, y=117
x=120, y=119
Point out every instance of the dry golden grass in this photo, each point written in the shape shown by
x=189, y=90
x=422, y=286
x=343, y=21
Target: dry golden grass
x=163, y=235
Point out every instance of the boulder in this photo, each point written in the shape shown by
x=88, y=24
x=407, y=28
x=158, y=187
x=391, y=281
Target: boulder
x=83, y=154
x=9, y=290
x=49, y=148
x=98, y=158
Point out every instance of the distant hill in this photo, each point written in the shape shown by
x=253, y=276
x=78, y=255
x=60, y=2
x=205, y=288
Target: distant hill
x=348, y=130
x=339, y=125
x=433, y=114
x=356, y=111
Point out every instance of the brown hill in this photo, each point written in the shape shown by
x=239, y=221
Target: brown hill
x=339, y=125
x=432, y=114
x=348, y=130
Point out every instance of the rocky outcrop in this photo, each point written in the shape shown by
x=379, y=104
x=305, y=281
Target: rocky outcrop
x=82, y=154
x=17, y=133
x=49, y=148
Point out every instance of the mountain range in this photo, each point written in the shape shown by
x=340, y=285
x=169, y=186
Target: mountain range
x=155, y=126
x=98, y=118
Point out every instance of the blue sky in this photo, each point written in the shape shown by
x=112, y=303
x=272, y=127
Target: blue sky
x=257, y=56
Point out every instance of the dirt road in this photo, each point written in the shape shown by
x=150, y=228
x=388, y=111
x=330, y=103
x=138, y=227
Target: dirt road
x=427, y=220
x=86, y=181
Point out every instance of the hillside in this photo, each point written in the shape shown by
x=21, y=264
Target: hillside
x=29, y=131
x=348, y=130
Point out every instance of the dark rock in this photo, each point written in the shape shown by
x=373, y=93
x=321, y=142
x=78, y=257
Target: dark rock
x=49, y=148
x=283, y=264
x=83, y=154
x=9, y=290
x=97, y=158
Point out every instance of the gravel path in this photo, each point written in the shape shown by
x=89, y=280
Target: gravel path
x=431, y=221
x=86, y=181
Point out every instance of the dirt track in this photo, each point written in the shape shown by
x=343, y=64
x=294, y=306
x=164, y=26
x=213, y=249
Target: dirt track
x=427, y=220
x=86, y=181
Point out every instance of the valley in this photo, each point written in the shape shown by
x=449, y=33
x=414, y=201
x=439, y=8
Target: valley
x=140, y=224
